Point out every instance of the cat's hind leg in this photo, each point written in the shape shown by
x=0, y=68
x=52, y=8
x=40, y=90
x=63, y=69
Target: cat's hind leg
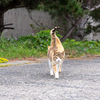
x=51, y=67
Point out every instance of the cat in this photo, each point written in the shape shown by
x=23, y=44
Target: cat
x=55, y=54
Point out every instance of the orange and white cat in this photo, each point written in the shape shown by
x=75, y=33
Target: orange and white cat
x=56, y=54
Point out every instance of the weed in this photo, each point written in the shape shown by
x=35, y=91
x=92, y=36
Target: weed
x=81, y=48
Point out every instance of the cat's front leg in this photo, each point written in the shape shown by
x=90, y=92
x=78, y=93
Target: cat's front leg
x=57, y=72
x=51, y=70
x=56, y=75
x=51, y=67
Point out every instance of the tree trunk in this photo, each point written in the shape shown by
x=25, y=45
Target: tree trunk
x=70, y=30
x=81, y=26
x=1, y=22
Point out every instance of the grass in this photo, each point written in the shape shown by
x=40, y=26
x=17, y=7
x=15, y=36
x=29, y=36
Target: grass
x=18, y=49
x=36, y=46
x=25, y=46
x=81, y=48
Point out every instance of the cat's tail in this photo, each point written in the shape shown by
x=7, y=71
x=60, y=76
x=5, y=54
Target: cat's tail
x=54, y=29
x=53, y=36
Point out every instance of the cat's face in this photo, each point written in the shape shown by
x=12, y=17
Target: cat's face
x=58, y=60
x=58, y=57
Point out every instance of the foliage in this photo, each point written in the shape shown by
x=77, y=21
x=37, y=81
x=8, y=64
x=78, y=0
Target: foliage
x=43, y=39
x=4, y=2
x=63, y=7
x=25, y=46
x=36, y=46
x=31, y=4
x=81, y=48
x=96, y=14
x=91, y=28
x=40, y=41
x=11, y=48
x=88, y=29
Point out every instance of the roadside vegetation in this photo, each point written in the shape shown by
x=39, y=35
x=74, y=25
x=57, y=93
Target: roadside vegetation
x=36, y=46
x=81, y=48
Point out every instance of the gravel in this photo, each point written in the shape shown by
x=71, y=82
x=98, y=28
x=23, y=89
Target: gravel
x=79, y=80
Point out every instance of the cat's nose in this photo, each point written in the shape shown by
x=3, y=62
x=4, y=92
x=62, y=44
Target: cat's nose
x=58, y=60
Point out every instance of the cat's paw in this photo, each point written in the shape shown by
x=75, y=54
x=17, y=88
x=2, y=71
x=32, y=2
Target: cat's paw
x=59, y=71
x=51, y=73
x=56, y=75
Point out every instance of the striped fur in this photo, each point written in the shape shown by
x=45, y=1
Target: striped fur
x=56, y=54
x=53, y=36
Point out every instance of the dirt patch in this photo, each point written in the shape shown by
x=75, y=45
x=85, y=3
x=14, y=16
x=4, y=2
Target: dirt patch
x=74, y=58
x=84, y=57
x=28, y=59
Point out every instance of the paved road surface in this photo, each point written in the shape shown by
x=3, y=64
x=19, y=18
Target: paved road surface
x=79, y=80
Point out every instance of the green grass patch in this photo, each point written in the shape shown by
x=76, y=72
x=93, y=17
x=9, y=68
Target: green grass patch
x=25, y=46
x=36, y=46
x=81, y=48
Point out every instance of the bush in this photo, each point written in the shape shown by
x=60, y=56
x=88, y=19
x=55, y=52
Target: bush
x=25, y=46
x=80, y=48
x=40, y=41
x=36, y=46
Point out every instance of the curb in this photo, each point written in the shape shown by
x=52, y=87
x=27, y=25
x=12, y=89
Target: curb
x=21, y=62
x=15, y=63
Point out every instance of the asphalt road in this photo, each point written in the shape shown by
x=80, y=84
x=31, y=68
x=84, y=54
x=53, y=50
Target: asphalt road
x=79, y=80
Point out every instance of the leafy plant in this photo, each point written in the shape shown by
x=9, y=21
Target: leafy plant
x=81, y=48
x=42, y=39
x=25, y=46
x=36, y=46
